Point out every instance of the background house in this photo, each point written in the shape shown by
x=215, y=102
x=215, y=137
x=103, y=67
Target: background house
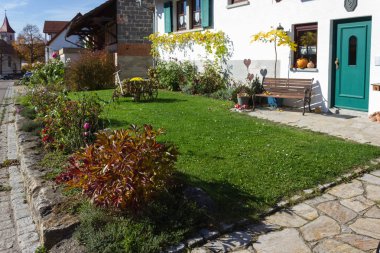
x=119, y=27
x=346, y=33
x=56, y=40
x=10, y=63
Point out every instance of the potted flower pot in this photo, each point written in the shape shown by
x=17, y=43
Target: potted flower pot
x=302, y=63
x=243, y=98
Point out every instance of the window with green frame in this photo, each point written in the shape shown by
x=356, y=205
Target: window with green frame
x=189, y=14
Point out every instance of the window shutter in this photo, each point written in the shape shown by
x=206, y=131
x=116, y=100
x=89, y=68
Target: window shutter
x=168, y=15
x=206, y=11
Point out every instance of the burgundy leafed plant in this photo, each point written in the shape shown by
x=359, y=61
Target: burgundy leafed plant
x=122, y=169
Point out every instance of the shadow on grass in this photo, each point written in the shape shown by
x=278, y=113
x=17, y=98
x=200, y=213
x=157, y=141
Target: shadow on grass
x=114, y=123
x=232, y=204
x=163, y=100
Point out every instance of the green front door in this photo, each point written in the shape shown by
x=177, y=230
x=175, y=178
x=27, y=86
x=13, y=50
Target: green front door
x=353, y=41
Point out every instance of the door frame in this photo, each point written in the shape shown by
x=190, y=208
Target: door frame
x=334, y=52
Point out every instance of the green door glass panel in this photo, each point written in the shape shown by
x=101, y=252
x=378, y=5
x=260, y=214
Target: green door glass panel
x=352, y=73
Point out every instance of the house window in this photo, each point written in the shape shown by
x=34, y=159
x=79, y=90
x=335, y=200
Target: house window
x=181, y=15
x=306, y=37
x=196, y=17
x=187, y=14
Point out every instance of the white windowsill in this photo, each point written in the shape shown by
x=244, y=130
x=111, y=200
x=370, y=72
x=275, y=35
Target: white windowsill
x=230, y=6
x=189, y=31
x=304, y=70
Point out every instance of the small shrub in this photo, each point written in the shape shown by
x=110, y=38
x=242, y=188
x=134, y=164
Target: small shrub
x=55, y=161
x=69, y=125
x=173, y=75
x=166, y=221
x=223, y=94
x=43, y=98
x=92, y=71
x=210, y=80
x=31, y=126
x=28, y=113
x=170, y=75
x=50, y=73
x=123, y=169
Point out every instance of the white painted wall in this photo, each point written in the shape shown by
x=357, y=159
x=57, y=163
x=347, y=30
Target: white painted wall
x=242, y=22
x=59, y=43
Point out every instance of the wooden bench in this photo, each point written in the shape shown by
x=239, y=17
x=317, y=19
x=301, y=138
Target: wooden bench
x=287, y=88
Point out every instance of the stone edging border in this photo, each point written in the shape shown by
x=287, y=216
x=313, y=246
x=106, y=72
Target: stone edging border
x=41, y=196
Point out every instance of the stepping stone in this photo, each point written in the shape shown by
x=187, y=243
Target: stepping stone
x=285, y=241
x=332, y=246
x=201, y=250
x=357, y=204
x=373, y=192
x=370, y=179
x=229, y=242
x=320, y=228
x=337, y=211
x=367, y=226
x=320, y=199
x=376, y=173
x=359, y=241
x=346, y=191
x=286, y=218
x=305, y=211
x=374, y=212
x=261, y=228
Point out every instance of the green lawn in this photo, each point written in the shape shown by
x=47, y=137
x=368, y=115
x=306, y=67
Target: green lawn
x=244, y=163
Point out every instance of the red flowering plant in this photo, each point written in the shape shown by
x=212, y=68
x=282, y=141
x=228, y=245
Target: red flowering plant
x=69, y=124
x=123, y=169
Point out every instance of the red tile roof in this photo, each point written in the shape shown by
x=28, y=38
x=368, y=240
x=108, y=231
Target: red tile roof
x=54, y=26
x=6, y=28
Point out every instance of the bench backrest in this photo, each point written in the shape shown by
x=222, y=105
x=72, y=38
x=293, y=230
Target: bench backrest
x=287, y=85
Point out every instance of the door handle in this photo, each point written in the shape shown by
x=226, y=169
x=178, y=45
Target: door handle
x=337, y=63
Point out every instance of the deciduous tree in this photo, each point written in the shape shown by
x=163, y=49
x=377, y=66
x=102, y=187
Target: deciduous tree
x=30, y=44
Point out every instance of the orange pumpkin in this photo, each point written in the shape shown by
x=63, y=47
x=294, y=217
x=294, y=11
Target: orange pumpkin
x=302, y=63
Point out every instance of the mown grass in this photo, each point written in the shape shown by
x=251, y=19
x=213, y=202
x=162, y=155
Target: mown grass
x=245, y=164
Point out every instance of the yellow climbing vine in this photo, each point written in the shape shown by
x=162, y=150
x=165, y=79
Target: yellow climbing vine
x=216, y=43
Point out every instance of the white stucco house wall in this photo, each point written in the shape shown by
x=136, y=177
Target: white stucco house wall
x=57, y=38
x=346, y=52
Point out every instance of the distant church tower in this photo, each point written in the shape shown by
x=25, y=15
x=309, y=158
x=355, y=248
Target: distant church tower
x=6, y=32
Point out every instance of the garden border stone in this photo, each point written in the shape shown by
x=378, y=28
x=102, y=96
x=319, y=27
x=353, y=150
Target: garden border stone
x=43, y=197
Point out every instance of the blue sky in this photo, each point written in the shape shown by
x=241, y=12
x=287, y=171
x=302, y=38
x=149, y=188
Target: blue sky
x=22, y=12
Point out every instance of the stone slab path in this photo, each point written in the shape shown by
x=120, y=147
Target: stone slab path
x=345, y=219
x=351, y=125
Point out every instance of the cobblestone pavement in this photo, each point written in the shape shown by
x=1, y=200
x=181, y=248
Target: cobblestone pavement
x=17, y=230
x=346, y=219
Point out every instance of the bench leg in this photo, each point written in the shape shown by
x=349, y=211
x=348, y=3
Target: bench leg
x=253, y=102
x=304, y=107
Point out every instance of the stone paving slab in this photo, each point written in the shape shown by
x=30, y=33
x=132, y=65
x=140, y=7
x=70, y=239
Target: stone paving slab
x=332, y=246
x=285, y=241
x=351, y=125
